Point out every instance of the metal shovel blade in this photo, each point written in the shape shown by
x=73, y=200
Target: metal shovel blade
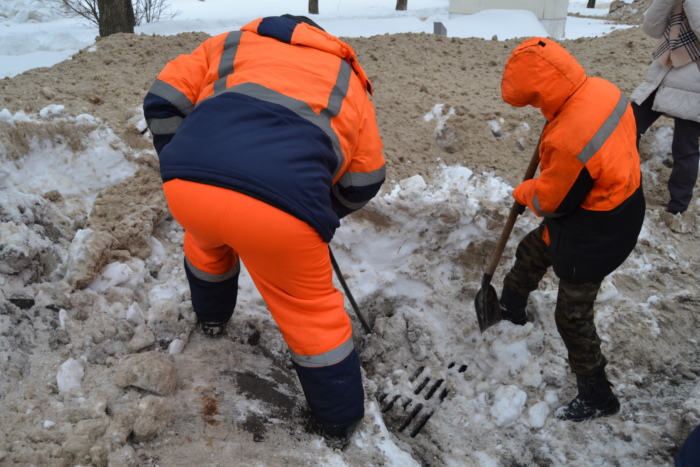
x=488, y=310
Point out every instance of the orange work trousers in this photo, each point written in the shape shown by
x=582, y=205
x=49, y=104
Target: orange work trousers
x=286, y=258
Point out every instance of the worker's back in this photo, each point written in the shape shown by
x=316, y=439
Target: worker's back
x=278, y=111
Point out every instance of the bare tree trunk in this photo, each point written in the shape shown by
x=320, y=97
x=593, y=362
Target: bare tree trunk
x=115, y=16
x=591, y=3
x=401, y=4
x=313, y=7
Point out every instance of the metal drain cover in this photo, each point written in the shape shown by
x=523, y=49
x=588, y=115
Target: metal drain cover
x=409, y=413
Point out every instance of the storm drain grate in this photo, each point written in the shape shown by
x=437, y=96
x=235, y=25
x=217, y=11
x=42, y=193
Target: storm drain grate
x=411, y=413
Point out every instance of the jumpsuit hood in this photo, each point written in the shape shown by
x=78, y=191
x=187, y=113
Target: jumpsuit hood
x=541, y=73
x=299, y=30
x=304, y=19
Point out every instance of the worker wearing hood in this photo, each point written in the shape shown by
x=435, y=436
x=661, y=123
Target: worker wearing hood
x=590, y=197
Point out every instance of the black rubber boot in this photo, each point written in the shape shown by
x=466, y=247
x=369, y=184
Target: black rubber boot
x=338, y=439
x=595, y=399
x=213, y=329
x=335, y=396
x=213, y=301
x=513, y=307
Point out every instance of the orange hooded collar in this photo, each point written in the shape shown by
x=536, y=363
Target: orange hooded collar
x=541, y=73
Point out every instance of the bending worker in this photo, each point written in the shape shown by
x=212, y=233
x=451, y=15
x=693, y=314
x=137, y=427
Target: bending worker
x=266, y=138
x=589, y=193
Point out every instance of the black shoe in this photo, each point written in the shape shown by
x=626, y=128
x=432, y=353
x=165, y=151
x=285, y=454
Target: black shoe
x=513, y=307
x=213, y=329
x=595, y=399
x=338, y=438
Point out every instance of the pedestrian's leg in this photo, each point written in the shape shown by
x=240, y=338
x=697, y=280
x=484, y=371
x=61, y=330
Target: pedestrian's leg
x=575, y=321
x=531, y=263
x=644, y=115
x=686, y=155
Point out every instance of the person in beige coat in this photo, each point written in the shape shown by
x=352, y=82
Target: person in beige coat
x=672, y=88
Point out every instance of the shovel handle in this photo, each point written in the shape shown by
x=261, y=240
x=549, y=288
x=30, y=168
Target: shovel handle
x=512, y=216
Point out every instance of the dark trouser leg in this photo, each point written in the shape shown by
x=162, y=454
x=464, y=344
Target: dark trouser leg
x=531, y=263
x=335, y=396
x=689, y=455
x=644, y=115
x=213, y=296
x=686, y=156
x=574, y=317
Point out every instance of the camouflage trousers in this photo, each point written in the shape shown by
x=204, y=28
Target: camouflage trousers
x=574, y=310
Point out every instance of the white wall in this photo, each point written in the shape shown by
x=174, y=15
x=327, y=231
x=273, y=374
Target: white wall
x=552, y=13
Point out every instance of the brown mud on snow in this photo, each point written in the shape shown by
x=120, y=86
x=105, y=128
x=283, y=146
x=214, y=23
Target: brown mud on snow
x=43, y=322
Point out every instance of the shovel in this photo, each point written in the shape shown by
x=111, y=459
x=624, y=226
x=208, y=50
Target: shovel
x=339, y=274
x=488, y=310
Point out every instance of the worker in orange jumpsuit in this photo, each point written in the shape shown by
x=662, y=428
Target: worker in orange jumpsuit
x=589, y=193
x=266, y=138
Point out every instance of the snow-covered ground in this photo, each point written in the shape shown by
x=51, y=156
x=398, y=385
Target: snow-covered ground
x=507, y=380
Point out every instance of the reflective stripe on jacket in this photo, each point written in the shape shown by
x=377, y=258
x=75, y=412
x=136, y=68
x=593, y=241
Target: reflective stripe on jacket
x=588, y=155
x=589, y=164
x=279, y=111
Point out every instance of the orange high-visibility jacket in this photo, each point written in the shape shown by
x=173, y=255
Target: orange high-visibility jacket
x=279, y=111
x=589, y=186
